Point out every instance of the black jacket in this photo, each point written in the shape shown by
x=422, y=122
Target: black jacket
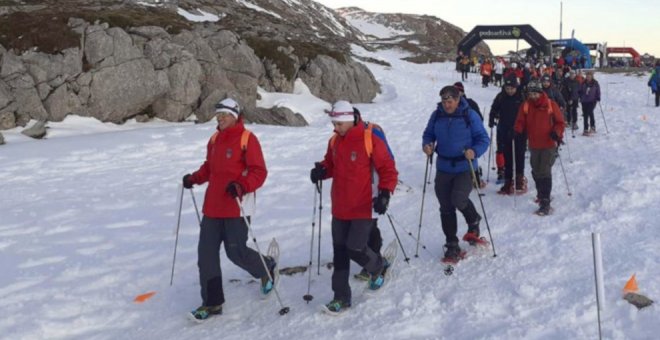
x=505, y=110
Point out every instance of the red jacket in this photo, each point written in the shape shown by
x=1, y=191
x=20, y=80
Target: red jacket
x=347, y=162
x=226, y=162
x=539, y=122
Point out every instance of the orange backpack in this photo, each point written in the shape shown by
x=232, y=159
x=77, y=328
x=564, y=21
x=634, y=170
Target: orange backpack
x=368, y=142
x=245, y=136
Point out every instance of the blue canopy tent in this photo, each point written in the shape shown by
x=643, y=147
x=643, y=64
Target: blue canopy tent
x=574, y=45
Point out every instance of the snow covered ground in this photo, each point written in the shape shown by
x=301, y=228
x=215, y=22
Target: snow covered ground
x=87, y=221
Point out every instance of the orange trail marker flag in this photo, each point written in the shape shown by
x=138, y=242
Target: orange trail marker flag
x=143, y=297
x=631, y=285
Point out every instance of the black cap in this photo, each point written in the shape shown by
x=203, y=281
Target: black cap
x=511, y=81
x=534, y=86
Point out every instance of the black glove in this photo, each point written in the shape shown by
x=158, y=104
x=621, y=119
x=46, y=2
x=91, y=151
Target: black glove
x=381, y=202
x=517, y=135
x=235, y=189
x=555, y=137
x=317, y=173
x=187, y=182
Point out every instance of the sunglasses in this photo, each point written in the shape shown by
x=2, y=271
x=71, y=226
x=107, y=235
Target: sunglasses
x=337, y=114
x=447, y=98
x=232, y=109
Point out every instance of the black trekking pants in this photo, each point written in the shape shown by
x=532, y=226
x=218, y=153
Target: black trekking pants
x=233, y=232
x=453, y=192
x=521, y=147
x=349, y=242
x=588, y=114
x=657, y=98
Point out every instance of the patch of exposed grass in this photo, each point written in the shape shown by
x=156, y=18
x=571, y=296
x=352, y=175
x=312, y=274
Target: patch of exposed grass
x=47, y=29
x=139, y=16
x=268, y=49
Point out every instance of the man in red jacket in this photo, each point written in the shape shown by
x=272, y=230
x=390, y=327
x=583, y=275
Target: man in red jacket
x=543, y=121
x=349, y=163
x=234, y=168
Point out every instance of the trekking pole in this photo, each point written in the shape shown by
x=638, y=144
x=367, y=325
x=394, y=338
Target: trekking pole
x=284, y=310
x=308, y=297
x=568, y=148
x=568, y=188
x=490, y=153
x=474, y=178
x=413, y=237
x=192, y=194
x=406, y=258
x=176, y=239
x=318, y=258
x=604, y=120
x=421, y=213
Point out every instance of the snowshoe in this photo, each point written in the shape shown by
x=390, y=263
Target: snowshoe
x=474, y=240
x=267, y=285
x=335, y=307
x=204, y=312
x=375, y=284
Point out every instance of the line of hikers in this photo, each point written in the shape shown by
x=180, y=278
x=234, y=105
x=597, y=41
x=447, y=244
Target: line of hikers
x=362, y=166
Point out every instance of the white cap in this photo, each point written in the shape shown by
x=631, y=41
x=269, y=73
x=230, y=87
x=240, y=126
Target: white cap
x=342, y=111
x=228, y=106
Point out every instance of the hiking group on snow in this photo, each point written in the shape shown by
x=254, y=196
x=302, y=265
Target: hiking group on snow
x=531, y=111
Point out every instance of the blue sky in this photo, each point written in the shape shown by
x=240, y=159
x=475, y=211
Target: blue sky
x=629, y=23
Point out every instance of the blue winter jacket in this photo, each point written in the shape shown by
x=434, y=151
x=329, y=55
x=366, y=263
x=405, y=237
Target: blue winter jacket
x=653, y=81
x=453, y=134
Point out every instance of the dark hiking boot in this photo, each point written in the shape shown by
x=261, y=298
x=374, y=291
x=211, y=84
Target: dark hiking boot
x=500, y=176
x=507, y=188
x=204, y=312
x=544, y=207
x=521, y=184
x=453, y=253
x=377, y=281
x=267, y=283
x=337, y=306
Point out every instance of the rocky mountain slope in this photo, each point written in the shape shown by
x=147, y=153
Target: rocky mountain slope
x=426, y=38
x=115, y=60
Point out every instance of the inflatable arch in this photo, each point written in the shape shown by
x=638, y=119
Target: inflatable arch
x=628, y=50
x=537, y=41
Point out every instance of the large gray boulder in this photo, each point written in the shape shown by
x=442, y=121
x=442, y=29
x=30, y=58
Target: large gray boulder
x=37, y=131
x=7, y=120
x=125, y=90
x=98, y=44
x=29, y=103
x=61, y=103
x=184, y=90
x=331, y=81
x=5, y=95
x=274, y=116
x=11, y=65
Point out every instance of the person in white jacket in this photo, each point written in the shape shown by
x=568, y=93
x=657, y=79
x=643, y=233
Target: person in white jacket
x=499, y=70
